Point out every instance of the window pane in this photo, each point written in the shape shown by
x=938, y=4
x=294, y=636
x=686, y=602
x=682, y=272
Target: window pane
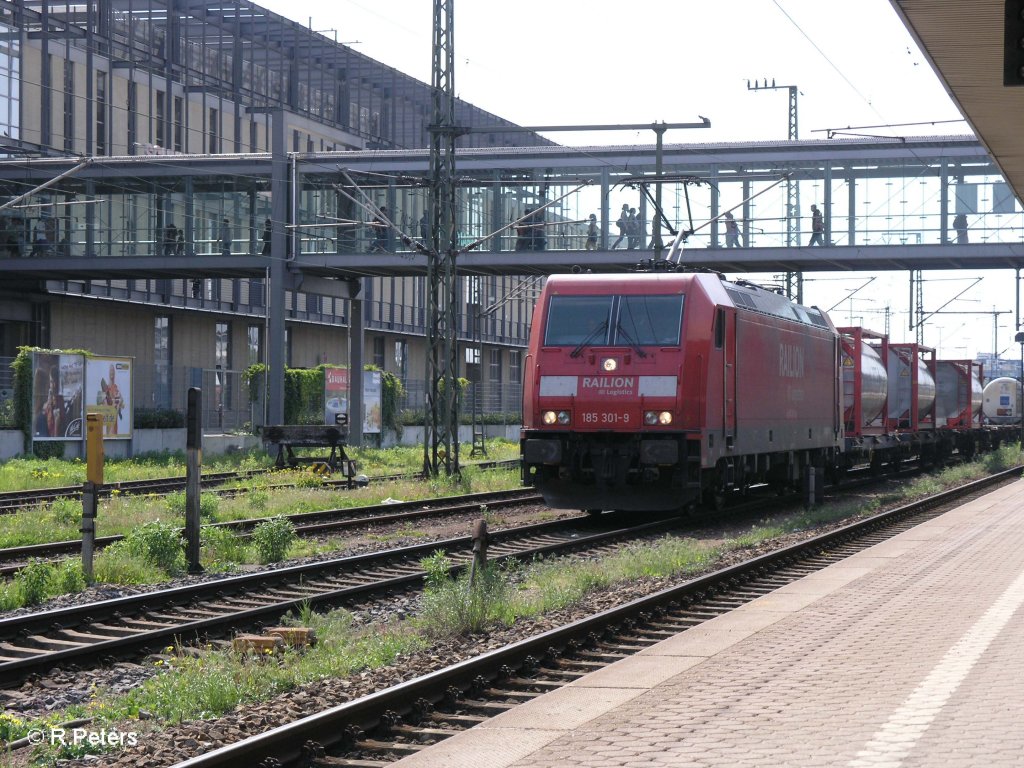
x=575, y=319
x=649, y=320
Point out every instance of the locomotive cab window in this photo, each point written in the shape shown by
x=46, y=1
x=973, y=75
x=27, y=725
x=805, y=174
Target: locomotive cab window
x=719, y=328
x=649, y=320
x=614, y=320
x=578, y=319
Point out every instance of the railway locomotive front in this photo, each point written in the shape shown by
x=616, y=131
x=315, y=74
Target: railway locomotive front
x=651, y=391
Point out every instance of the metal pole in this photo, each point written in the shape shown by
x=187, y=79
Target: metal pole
x=479, y=549
x=90, y=490
x=659, y=132
x=88, y=529
x=193, y=464
x=1019, y=338
x=275, y=287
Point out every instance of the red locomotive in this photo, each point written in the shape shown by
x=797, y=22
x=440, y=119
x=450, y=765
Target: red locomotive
x=648, y=391
x=655, y=391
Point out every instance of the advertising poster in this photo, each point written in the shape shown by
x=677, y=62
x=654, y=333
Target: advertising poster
x=57, y=382
x=371, y=402
x=108, y=384
x=335, y=393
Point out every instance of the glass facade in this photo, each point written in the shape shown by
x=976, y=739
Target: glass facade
x=162, y=362
x=10, y=82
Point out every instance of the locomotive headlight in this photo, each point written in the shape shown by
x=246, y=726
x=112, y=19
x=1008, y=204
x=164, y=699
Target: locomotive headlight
x=657, y=417
x=555, y=417
x=609, y=364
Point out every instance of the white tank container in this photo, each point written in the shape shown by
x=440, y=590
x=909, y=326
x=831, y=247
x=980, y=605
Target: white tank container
x=900, y=386
x=1001, y=401
x=873, y=383
x=953, y=386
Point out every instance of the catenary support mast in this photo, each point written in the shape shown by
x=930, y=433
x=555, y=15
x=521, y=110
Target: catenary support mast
x=794, y=280
x=441, y=426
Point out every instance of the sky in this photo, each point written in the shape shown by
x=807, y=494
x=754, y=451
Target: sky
x=559, y=62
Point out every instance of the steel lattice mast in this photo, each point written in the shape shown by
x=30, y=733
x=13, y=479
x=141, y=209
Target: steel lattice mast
x=794, y=280
x=441, y=427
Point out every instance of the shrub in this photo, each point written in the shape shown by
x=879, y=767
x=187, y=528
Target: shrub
x=457, y=605
x=221, y=545
x=66, y=511
x=68, y=577
x=160, y=543
x=258, y=500
x=308, y=480
x=12, y=728
x=158, y=418
x=272, y=539
x=118, y=564
x=32, y=582
x=50, y=449
x=208, y=505
x=7, y=415
x=174, y=503
x=415, y=418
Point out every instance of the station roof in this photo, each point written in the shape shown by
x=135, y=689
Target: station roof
x=963, y=41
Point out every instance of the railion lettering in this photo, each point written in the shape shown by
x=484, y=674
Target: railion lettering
x=791, y=361
x=608, y=382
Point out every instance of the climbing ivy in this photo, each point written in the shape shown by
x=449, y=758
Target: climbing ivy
x=253, y=378
x=304, y=395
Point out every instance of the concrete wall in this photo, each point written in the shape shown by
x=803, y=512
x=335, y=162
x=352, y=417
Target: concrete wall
x=144, y=441
x=414, y=435
x=157, y=440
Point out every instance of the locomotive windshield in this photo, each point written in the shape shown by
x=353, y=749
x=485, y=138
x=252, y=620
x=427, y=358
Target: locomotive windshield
x=602, y=321
x=573, y=319
x=650, y=320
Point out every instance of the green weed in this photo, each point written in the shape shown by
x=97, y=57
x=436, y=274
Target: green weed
x=258, y=499
x=160, y=543
x=118, y=564
x=460, y=604
x=66, y=511
x=31, y=581
x=221, y=546
x=271, y=539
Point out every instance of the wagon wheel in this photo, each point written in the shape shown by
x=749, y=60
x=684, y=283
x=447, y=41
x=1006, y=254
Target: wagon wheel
x=836, y=475
x=713, y=496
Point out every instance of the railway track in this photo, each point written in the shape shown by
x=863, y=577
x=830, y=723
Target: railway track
x=327, y=521
x=12, y=501
x=385, y=726
x=126, y=626
x=306, y=523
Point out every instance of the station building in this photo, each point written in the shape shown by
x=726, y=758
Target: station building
x=135, y=188
x=150, y=82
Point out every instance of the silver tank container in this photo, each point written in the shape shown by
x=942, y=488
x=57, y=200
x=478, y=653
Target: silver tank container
x=953, y=386
x=900, y=390
x=1001, y=401
x=873, y=383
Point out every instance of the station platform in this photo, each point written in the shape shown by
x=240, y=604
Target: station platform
x=910, y=653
